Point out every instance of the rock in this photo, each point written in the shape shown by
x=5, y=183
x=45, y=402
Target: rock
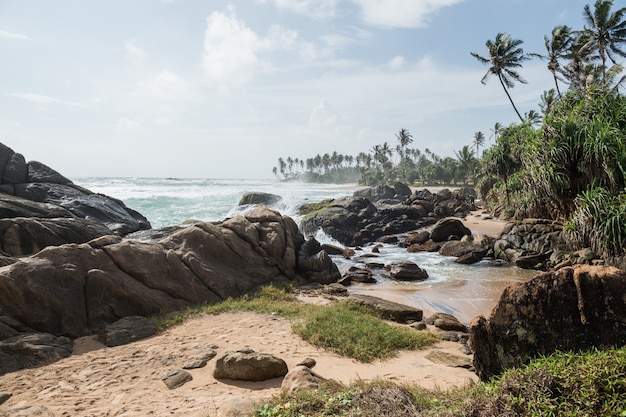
x=127, y=330
x=429, y=246
x=388, y=310
x=420, y=237
x=574, y=308
x=32, y=350
x=202, y=361
x=176, y=378
x=27, y=411
x=333, y=249
x=248, y=365
x=4, y=396
x=315, y=263
x=449, y=359
x=406, y=271
x=308, y=362
x=301, y=377
x=358, y=274
x=75, y=290
x=446, y=228
x=445, y=321
x=402, y=190
x=260, y=198
x=335, y=289
x=379, y=192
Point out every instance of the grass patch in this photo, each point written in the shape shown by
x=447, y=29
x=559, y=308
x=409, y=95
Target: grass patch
x=354, y=331
x=345, y=328
x=563, y=384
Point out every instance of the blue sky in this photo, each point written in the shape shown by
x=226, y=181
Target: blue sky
x=222, y=89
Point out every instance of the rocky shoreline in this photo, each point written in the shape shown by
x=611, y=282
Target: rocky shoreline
x=81, y=264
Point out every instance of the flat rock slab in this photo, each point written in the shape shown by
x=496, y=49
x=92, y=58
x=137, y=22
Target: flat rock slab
x=389, y=310
x=449, y=359
x=176, y=378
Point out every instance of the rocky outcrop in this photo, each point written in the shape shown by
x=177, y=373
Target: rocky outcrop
x=248, y=365
x=301, y=377
x=32, y=349
x=127, y=330
x=381, y=211
x=39, y=207
x=574, y=308
x=406, y=271
x=258, y=198
x=76, y=289
x=449, y=229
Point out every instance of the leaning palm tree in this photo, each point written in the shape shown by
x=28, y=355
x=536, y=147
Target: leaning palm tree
x=558, y=47
x=607, y=31
x=497, y=128
x=479, y=140
x=505, y=55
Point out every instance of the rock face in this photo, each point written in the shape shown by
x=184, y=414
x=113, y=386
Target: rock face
x=574, y=308
x=127, y=330
x=34, y=349
x=39, y=207
x=75, y=289
x=248, y=365
x=267, y=199
x=380, y=211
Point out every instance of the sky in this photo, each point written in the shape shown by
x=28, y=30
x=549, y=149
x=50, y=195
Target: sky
x=222, y=89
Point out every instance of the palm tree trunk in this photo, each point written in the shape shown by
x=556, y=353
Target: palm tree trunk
x=510, y=99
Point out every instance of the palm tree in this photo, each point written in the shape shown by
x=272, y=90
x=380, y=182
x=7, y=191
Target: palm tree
x=466, y=160
x=548, y=98
x=497, y=128
x=504, y=55
x=532, y=118
x=558, y=47
x=606, y=30
x=479, y=140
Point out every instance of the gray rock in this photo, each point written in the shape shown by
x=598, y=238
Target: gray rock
x=260, y=198
x=445, y=321
x=127, y=330
x=32, y=350
x=308, y=362
x=446, y=228
x=388, y=310
x=176, y=378
x=248, y=365
x=449, y=359
x=406, y=271
x=301, y=377
x=27, y=411
x=4, y=396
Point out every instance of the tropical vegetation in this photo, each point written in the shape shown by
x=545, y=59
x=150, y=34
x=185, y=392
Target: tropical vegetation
x=565, y=161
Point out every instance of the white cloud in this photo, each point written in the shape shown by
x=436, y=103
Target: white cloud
x=324, y=116
x=396, y=63
x=43, y=99
x=4, y=34
x=318, y=9
x=400, y=13
x=230, y=51
x=126, y=124
x=134, y=52
x=234, y=53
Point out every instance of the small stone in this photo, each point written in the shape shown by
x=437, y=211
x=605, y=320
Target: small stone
x=198, y=363
x=418, y=325
x=176, y=378
x=308, y=362
x=4, y=396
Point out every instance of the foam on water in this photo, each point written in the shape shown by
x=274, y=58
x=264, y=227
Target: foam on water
x=462, y=290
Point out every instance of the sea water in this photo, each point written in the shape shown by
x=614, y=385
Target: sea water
x=462, y=290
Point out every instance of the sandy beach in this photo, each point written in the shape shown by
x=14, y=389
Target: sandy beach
x=126, y=380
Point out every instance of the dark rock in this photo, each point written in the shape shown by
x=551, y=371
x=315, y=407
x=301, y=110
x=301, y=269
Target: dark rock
x=127, y=330
x=32, y=350
x=445, y=321
x=315, y=263
x=402, y=190
x=574, y=308
x=406, y=271
x=248, y=365
x=308, y=362
x=420, y=237
x=4, y=396
x=260, y=198
x=429, y=246
x=388, y=239
x=333, y=249
x=445, y=228
x=388, y=310
x=379, y=192
x=359, y=274
x=471, y=257
x=176, y=378
x=301, y=377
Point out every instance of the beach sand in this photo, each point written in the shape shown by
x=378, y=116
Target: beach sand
x=126, y=380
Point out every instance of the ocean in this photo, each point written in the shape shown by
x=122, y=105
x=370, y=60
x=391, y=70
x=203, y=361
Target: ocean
x=462, y=290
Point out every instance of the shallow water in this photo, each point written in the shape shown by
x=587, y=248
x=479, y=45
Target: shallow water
x=462, y=290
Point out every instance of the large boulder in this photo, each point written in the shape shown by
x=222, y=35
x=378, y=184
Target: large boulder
x=445, y=229
x=31, y=350
x=574, y=308
x=40, y=207
x=258, y=197
x=248, y=365
x=76, y=289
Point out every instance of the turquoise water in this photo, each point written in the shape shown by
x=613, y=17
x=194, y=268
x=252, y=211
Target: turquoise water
x=462, y=290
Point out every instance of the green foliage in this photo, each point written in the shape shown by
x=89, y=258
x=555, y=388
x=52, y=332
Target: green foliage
x=354, y=331
x=563, y=384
